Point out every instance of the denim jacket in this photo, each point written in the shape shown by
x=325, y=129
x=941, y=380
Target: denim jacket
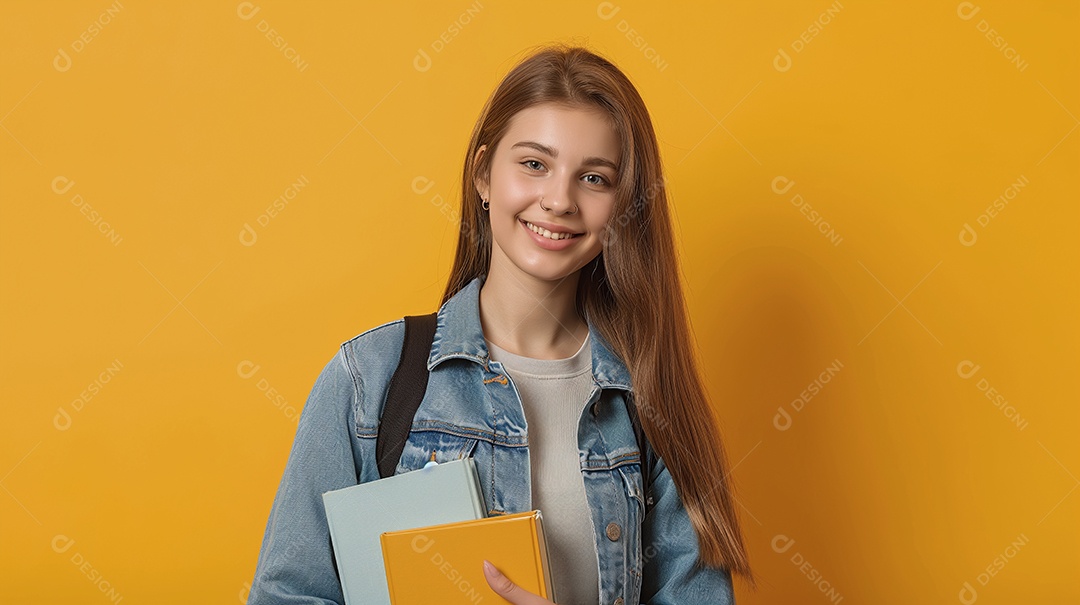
x=472, y=408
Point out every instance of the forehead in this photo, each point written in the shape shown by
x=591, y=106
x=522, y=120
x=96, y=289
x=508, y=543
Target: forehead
x=578, y=130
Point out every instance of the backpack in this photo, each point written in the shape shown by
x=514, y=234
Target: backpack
x=407, y=387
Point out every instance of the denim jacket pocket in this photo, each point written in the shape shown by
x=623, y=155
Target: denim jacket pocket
x=423, y=441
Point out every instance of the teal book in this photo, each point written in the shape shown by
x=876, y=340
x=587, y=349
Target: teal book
x=357, y=515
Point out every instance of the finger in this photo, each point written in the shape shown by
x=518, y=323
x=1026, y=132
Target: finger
x=506, y=588
x=500, y=583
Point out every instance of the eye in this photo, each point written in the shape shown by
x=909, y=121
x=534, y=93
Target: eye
x=600, y=180
x=529, y=163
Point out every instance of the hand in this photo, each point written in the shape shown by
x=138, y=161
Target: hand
x=506, y=588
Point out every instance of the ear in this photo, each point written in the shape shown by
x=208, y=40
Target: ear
x=479, y=181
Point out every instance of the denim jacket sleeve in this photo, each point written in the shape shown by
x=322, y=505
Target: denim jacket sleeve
x=669, y=549
x=296, y=563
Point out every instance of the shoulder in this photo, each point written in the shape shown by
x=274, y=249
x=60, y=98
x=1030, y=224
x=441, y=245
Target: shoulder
x=374, y=346
x=370, y=359
x=382, y=335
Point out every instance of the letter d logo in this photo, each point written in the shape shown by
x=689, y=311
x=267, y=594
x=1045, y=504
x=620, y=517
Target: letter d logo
x=782, y=420
x=422, y=61
x=421, y=185
x=61, y=184
x=782, y=543
x=62, y=62
x=248, y=237
x=246, y=10
x=422, y=543
x=967, y=369
x=966, y=10
x=968, y=594
x=605, y=12
x=968, y=235
x=62, y=543
x=247, y=369
x=776, y=185
x=782, y=62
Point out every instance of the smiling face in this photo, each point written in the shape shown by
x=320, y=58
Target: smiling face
x=569, y=156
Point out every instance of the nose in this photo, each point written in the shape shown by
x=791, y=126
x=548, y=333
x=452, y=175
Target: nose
x=559, y=199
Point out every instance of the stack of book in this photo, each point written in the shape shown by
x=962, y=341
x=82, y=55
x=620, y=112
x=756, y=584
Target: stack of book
x=422, y=537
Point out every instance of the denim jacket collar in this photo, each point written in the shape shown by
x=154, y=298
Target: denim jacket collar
x=458, y=334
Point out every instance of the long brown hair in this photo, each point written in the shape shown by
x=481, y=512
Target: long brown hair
x=631, y=291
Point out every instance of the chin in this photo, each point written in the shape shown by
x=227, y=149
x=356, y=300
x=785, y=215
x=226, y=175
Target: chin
x=548, y=273
x=554, y=277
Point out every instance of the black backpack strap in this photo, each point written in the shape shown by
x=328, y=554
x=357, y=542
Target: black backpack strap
x=645, y=453
x=405, y=392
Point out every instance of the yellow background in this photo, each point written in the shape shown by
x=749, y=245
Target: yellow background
x=897, y=123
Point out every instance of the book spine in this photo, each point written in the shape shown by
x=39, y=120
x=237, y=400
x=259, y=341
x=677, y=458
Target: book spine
x=543, y=563
x=386, y=568
x=473, y=479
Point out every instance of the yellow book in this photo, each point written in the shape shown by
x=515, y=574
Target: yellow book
x=445, y=563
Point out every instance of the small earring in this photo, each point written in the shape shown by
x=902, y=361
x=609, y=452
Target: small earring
x=486, y=205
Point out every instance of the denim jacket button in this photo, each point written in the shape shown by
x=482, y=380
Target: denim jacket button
x=619, y=601
x=613, y=531
x=595, y=409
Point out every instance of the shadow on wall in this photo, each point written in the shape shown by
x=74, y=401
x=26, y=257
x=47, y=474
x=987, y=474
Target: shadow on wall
x=814, y=451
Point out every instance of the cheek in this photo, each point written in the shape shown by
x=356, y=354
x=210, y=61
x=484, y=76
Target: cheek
x=511, y=185
x=503, y=216
x=603, y=218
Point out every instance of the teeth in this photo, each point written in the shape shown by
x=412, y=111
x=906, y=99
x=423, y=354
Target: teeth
x=548, y=234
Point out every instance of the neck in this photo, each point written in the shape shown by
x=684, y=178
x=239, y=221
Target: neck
x=529, y=316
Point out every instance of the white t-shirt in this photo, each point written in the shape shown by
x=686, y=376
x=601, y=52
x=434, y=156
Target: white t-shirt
x=553, y=393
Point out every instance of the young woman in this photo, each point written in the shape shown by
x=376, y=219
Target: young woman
x=563, y=315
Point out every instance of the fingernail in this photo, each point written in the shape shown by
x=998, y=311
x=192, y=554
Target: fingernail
x=489, y=568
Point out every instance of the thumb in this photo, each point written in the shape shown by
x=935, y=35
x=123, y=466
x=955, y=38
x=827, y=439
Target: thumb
x=503, y=586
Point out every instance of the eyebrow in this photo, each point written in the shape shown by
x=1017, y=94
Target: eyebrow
x=551, y=151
